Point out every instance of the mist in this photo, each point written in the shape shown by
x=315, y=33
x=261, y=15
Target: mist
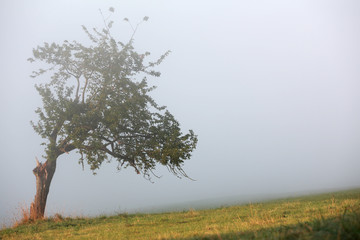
x=270, y=88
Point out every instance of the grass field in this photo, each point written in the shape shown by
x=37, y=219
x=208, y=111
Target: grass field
x=325, y=216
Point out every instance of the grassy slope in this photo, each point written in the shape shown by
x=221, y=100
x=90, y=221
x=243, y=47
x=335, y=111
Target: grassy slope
x=325, y=216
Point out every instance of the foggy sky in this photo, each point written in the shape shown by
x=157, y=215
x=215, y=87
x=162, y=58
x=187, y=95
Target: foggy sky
x=271, y=88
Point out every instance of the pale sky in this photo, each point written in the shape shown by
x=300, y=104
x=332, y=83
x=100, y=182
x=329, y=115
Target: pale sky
x=271, y=88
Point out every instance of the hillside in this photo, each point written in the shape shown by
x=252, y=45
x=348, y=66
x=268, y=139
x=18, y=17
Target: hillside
x=325, y=216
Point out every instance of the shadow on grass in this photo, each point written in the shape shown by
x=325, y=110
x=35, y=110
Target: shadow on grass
x=344, y=227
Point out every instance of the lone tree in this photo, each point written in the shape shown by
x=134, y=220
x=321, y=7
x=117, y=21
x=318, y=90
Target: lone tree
x=94, y=104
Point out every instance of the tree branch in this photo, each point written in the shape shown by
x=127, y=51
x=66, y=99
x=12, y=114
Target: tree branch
x=84, y=90
x=66, y=149
x=57, y=128
x=119, y=156
x=77, y=89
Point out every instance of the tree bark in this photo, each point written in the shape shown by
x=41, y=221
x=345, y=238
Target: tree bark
x=44, y=173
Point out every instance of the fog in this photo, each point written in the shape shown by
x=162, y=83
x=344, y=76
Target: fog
x=271, y=88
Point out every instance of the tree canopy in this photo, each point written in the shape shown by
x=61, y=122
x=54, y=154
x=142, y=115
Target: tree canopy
x=98, y=103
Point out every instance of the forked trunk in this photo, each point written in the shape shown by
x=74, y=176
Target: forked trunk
x=44, y=174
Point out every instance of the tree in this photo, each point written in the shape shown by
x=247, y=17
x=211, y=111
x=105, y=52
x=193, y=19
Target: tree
x=94, y=104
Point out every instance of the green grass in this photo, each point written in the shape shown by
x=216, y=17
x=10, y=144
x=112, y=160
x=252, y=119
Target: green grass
x=325, y=216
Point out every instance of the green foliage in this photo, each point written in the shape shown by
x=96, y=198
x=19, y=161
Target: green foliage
x=326, y=216
x=95, y=104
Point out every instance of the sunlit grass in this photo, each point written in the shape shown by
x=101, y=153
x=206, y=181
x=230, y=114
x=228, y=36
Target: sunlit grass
x=326, y=216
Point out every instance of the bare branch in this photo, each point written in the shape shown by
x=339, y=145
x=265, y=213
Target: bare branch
x=105, y=23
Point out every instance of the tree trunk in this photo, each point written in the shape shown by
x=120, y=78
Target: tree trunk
x=44, y=174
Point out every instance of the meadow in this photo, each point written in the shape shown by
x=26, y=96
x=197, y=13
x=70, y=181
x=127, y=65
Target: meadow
x=323, y=216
